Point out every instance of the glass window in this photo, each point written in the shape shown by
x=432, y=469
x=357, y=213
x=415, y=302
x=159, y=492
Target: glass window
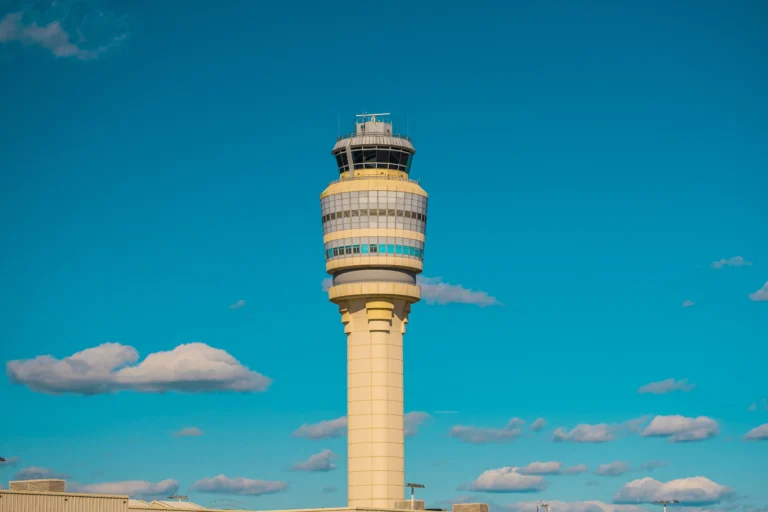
x=398, y=249
x=369, y=155
x=382, y=248
x=357, y=157
x=391, y=213
x=344, y=158
x=390, y=248
x=411, y=251
x=353, y=213
x=355, y=249
x=333, y=215
x=382, y=156
x=348, y=249
x=364, y=248
x=394, y=157
x=335, y=251
x=339, y=161
x=374, y=248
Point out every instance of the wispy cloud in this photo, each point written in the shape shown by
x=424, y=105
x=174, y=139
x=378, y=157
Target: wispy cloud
x=762, y=404
x=760, y=295
x=576, y=470
x=688, y=303
x=654, y=464
x=323, y=430
x=435, y=291
x=222, y=484
x=541, y=468
x=735, y=261
x=599, y=433
x=133, y=488
x=480, y=435
x=322, y=461
x=615, y=468
x=680, y=429
x=692, y=491
x=507, y=479
x=188, y=432
x=758, y=433
x=538, y=425
x=412, y=421
x=20, y=27
x=237, y=305
x=37, y=473
x=667, y=386
x=110, y=367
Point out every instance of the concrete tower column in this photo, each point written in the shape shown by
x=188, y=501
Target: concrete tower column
x=375, y=326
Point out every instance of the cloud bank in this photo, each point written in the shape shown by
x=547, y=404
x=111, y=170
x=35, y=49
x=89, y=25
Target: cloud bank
x=480, y=435
x=111, y=367
x=507, y=480
x=188, y=432
x=615, y=468
x=241, y=486
x=133, y=488
x=36, y=473
x=735, y=261
x=322, y=461
x=412, y=421
x=599, y=433
x=758, y=433
x=323, y=430
x=679, y=429
x=435, y=291
x=667, y=386
x=760, y=295
x=696, y=490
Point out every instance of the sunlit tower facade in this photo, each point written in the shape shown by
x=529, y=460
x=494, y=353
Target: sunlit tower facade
x=374, y=226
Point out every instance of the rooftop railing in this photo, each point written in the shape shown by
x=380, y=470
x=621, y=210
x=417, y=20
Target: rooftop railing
x=380, y=177
x=355, y=134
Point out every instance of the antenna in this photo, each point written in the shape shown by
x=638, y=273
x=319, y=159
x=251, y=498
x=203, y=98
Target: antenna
x=544, y=505
x=665, y=503
x=178, y=497
x=414, y=486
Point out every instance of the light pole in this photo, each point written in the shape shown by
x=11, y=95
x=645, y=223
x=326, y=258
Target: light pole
x=665, y=503
x=414, y=486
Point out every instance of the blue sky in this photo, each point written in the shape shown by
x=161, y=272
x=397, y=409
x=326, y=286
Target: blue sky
x=587, y=163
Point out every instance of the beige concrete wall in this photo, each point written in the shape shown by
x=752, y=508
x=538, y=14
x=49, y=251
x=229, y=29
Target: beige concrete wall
x=29, y=501
x=375, y=328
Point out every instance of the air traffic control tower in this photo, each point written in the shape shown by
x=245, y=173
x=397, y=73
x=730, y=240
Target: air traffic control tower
x=374, y=222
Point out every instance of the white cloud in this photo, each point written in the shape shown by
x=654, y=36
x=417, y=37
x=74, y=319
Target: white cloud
x=576, y=470
x=735, y=261
x=110, y=367
x=681, y=429
x=412, y=421
x=758, y=433
x=478, y=435
x=133, y=488
x=36, y=473
x=243, y=486
x=538, y=425
x=52, y=37
x=322, y=461
x=237, y=305
x=323, y=429
x=654, y=464
x=760, y=295
x=762, y=404
x=667, y=386
x=541, y=468
x=327, y=283
x=696, y=490
x=599, y=433
x=435, y=291
x=615, y=468
x=10, y=462
x=507, y=480
x=576, y=506
x=188, y=432
x=688, y=303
